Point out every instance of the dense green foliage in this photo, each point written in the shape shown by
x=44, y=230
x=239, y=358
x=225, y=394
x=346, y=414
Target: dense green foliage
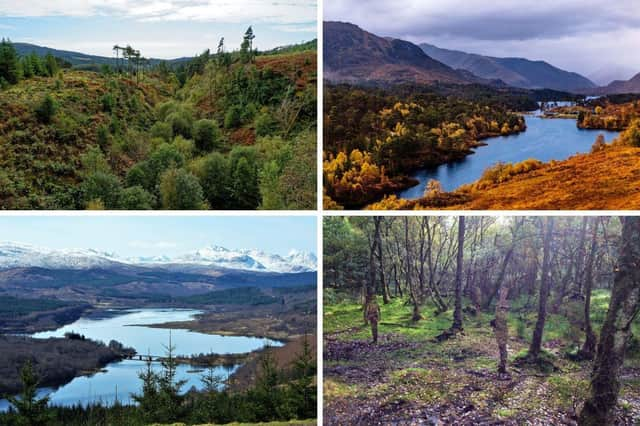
x=223, y=131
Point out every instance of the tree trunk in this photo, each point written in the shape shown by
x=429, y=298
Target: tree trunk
x=589, y=347
x=616, y=329
x=385, y=288
x=457, y=313
x=501, y=329
x=414, y=299
x=536, y=341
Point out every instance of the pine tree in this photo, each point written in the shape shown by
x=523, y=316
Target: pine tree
x=31, y=410
x=246, y=48
x=9, y=68
x=302, y=391
x=148, y=399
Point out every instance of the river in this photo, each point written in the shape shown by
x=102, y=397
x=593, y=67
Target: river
x=130, y=327
x=545, y=139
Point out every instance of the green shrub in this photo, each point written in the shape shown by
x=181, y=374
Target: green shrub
x=136, y=198
x=162, y=130
x=207, y=135
x=186, y=147
x=180, y=190
x=47, y=109
x=103, y=137
x=181, y=123
x=265, y=124
x=103, y=187
x=108, y=102
x=232, y=117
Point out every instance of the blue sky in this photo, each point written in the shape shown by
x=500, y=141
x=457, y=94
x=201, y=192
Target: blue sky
x=158, y=235
x=158, y=28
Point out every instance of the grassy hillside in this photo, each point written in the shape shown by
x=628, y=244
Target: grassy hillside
x=605, y=180
x=219, y=132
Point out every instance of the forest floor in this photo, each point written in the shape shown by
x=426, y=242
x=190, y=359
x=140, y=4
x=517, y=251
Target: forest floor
x=410, y=378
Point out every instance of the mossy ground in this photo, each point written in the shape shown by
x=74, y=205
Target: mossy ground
x=409, y=377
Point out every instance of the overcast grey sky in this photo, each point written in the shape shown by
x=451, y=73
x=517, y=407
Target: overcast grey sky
x=577, y=35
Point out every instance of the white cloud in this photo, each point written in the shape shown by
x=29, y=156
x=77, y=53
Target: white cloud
x=152, y=244
x=228, y=11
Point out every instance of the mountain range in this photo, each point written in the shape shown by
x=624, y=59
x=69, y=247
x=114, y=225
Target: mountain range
x=621, y=86
x=78, y=59
x=17, y=255
x=516, y=72
x=353, y=55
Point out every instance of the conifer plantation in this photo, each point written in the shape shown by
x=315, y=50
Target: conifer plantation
x=228, y=129
x=481, y=320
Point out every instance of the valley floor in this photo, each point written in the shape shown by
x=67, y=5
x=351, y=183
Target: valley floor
x=409, y=378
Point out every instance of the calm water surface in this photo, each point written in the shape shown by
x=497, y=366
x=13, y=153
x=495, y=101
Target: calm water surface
x=544, y=140
x=120, y=379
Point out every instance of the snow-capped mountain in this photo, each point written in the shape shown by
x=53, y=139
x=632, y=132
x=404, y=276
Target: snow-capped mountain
x=16, y=255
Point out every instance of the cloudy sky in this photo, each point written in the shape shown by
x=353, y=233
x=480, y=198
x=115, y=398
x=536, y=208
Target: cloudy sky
x=159, y=28
x=577, y=35
x=163, y=235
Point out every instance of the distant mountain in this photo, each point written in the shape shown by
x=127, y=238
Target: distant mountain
x=78, y=59
x=517, y=72
x=16, y=255
x=619, y=86
x=610, y=73
x=354, y=55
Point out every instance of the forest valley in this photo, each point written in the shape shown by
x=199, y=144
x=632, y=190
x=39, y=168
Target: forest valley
x=605, y=178
x=481, y=320
x=224, y=130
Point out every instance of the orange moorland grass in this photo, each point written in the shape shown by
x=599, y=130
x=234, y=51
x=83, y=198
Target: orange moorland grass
x=608, y=179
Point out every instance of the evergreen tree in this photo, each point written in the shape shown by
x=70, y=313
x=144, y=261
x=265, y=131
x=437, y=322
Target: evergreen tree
x=47, y=109
x=246, y=48
x=148, y=399
x=170, y=399
x=302, y=391
x=9, y=67
x=31, y=410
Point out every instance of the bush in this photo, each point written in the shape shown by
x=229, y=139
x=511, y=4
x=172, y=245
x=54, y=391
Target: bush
x=186, y=147
x=108, y=102
x=181, y=123
x=265, y=124
x=47, y=109
x=136, y=198
x=206, y=135
x=232, y=117
x=103, y=137
x=103, y=187
x=162, y=130
x=180, y=190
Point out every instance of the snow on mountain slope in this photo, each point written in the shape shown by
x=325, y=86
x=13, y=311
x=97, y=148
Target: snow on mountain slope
x=16, y=255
